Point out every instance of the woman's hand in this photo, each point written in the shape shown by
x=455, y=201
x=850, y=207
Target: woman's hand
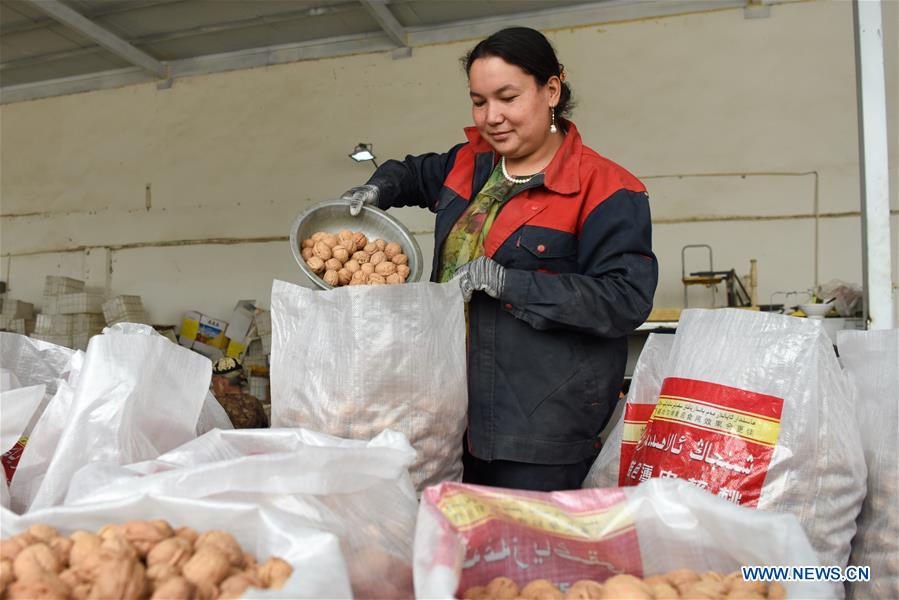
x=481, y=274
x=357, y=196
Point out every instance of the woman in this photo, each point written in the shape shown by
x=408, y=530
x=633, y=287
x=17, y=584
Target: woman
x=552, y=246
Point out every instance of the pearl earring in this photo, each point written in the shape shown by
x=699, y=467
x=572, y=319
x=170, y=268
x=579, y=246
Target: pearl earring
x=552, y=126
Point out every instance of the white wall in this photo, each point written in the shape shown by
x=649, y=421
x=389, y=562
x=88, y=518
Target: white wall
x=731, y=122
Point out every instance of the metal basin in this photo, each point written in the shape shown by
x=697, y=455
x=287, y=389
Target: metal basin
x=334, y=215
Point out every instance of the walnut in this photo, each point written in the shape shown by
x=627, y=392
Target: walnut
x=359, y=239
x=404, y=271
x=664, y=591
x=10, y=547
x=235, y=585
x=187, y=533
x=331, y=278
x=682, y=577
x=307, y=243
x=45, y=587
x=119, y=578
x=345, y=234
x=392, y=249
x=352, y=265
x=400, y=259
x=476, y=592
x=359, y=278
x=394, y=279
x=375, y=279
x=378, y=257
x=61, y=547
x=176, y=588
x=248, y=560
x=380, y=244
x=208, y=566
x=118, y=546
x=625, y=586
x=343, y=277
x=367, y=268
x=43, y=533
x=331, y=240
x=174, y=551
x=223, y=542
x=707, y=590
x=143, y=535
x=501, y=588
x=6, y=574
x=340, y=254
x=160, y=573
x=316, y=265
x=332, y=264
x=322, y=250
x=370, y=247
x=584, y=589
x=541, y=589
x=307, y=254
x=79, y=588
x=385, y=268
x=318, y=235
x=274, y=572
x=362, y=256
x=34, y=561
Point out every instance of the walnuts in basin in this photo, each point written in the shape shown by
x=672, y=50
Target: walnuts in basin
x=338, y=257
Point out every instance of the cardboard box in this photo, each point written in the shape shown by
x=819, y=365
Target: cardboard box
x=197, y=328
x=241, y=321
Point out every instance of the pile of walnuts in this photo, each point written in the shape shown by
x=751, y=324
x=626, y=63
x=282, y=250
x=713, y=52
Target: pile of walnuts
x=139, y=559
x=681, y=583
x=349, y=258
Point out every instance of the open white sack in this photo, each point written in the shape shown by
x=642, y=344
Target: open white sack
x=319, y=568
x=354, y=361
x=467, y=535
x=360, y=491
x=871, y=359
x=137, y=396
x=756, y=408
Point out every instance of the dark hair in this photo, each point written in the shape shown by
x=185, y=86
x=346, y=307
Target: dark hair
x=528, y=49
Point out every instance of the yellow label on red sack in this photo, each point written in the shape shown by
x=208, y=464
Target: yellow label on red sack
x=467, y=510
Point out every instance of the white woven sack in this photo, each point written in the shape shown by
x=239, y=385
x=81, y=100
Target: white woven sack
x=319, y=570
x=354, y=361
x=137, y=396
x=644, y=390
x=359, y=491
x=784, y=369
x=871, y=359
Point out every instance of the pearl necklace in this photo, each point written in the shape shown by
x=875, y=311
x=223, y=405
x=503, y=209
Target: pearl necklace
x=509, y=178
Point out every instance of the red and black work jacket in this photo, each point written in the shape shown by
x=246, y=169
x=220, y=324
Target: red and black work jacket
x=546, y=361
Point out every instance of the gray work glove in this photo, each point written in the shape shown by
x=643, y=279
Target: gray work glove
x=357, y=196
x=482, y=274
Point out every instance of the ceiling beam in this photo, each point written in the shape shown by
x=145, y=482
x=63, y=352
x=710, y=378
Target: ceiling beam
x=166, y=36
x=394, y=30
x=604, y=11
x=23, y=26
x=104, y=38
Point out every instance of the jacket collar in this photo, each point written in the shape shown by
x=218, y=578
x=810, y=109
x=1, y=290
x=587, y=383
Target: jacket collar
x=562, y=175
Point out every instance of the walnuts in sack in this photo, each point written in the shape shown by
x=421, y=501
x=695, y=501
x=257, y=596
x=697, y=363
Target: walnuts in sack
x=675, y=585
x=336, y=258
x=134, y=560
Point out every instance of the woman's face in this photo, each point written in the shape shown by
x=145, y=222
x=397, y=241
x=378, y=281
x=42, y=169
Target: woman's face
x=509, y=109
